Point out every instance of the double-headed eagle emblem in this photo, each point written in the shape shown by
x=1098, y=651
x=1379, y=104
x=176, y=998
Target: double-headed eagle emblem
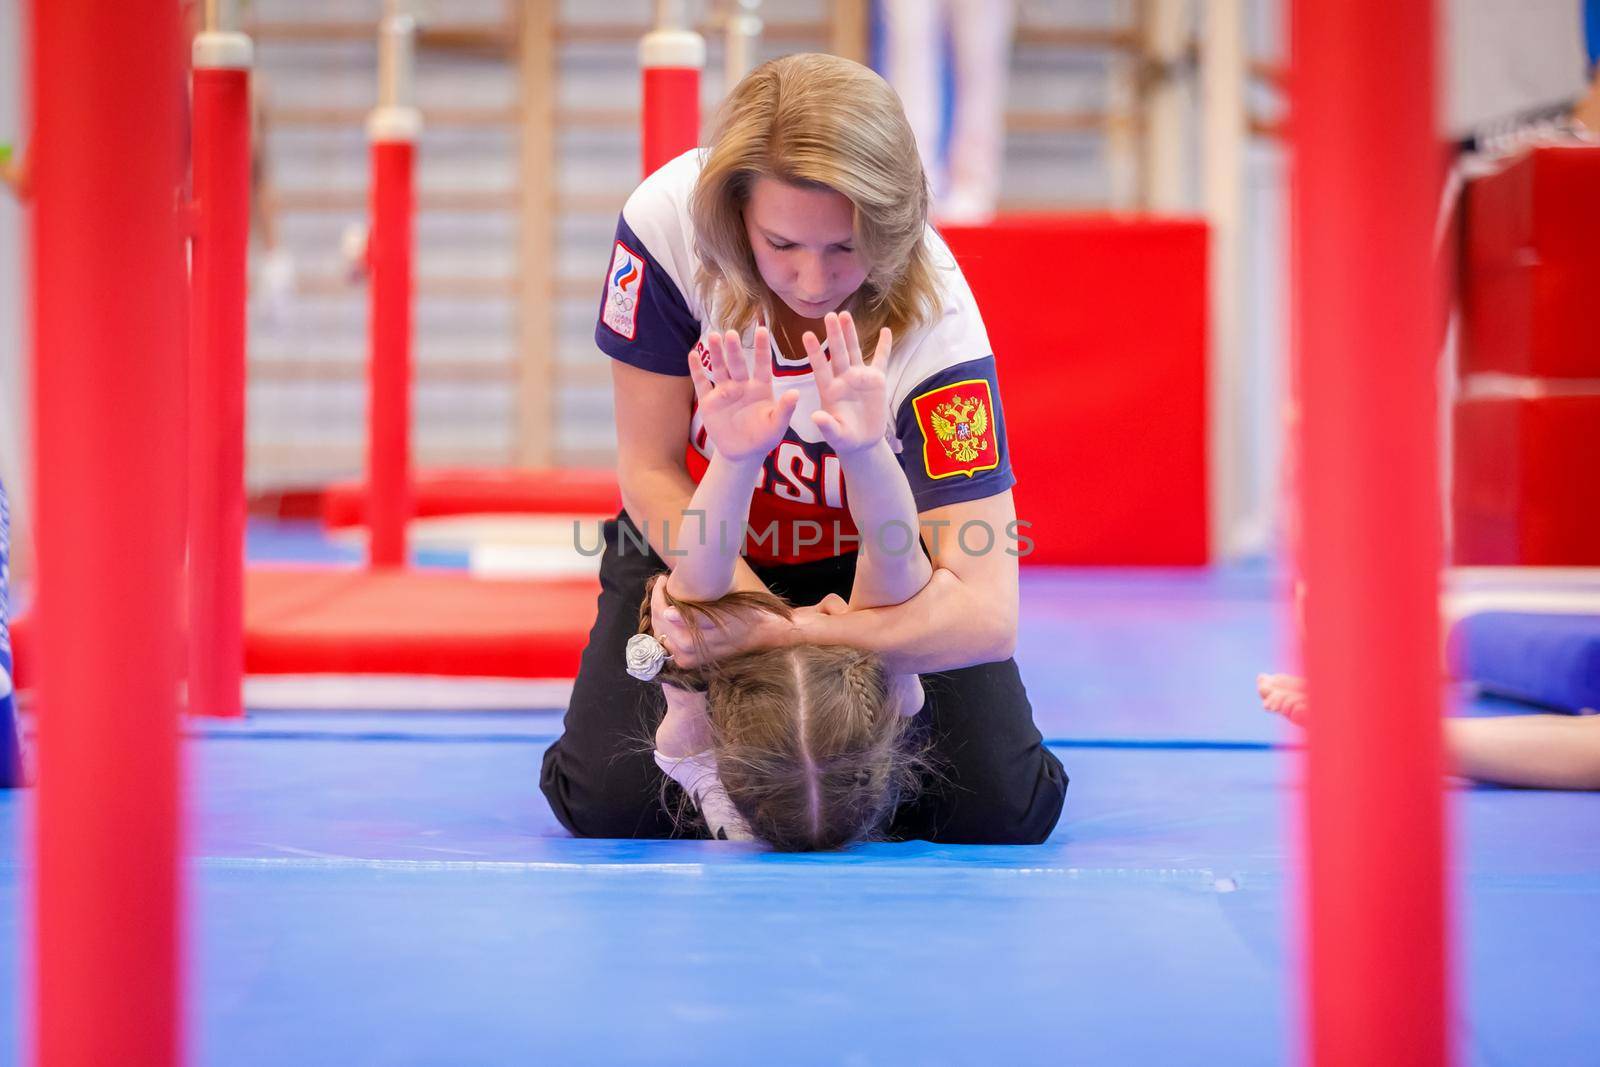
x=960, y=424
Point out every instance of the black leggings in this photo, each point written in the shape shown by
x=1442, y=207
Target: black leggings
x=994, y=781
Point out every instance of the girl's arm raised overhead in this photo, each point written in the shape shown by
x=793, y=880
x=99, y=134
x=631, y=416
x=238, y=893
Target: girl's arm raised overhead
x=890, y=565
x=653, y=411
x=744, y=422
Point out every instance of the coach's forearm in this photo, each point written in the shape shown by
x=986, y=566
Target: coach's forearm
x=656, y=499
x=948, y=625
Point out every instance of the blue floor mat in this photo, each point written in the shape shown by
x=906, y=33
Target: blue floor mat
x=408, y=901
x=1151, y=655
x=373, y=888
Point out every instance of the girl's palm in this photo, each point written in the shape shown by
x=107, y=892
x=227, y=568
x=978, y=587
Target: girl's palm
x=741, y=416
x=854, y=397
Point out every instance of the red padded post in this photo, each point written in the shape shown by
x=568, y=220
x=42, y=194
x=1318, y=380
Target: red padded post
x=1367, y=166
x=389, y=403
x=671, y=59
x=671, y=114
x=221, y=153
x=108, y=354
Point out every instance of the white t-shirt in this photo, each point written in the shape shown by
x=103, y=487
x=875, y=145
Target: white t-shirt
x=944, y=399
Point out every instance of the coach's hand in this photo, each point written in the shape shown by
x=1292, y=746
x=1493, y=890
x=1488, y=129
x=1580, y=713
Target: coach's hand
x=747, y=630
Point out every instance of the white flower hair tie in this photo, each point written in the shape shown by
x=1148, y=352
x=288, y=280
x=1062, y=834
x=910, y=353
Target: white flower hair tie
x=645, y=657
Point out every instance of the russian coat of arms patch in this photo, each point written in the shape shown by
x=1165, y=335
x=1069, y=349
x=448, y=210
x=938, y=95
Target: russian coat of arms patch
x=958, y=435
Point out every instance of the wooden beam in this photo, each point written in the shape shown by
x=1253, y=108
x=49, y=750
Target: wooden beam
x=585, y=375
x=848, y=26
x=438, y=285
x=456, y=371
x=430, y=372
x=1084, y=37
x=269, y=460
x=1020, y=205
x=1163, y=104
x=587, y=457
x=1270, y=129
x=1085, y=121
x=355, y=200
x=536, y=333
x=628, y=33
x=485, y=37
x=1123, y=145
x=354, y=117
x=1269, y=73
x=1224, y=138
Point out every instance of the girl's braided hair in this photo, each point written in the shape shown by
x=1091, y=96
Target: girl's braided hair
x=809, y=745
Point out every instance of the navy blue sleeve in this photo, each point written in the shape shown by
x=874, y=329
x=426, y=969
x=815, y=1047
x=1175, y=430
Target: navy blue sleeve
x=953, y=436
x=644, y=320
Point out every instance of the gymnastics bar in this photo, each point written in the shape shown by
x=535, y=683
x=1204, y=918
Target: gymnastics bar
x=392, y=129
x=1367, y=168
x=108, y=347
x=671, y=59
x=221, y=154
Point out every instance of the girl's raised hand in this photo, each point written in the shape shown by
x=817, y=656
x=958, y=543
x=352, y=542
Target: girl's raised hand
x=854, y=397
x=742, y=417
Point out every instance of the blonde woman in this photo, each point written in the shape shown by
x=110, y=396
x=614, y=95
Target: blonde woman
x=809, y=199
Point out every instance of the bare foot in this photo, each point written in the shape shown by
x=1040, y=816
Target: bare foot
x=1284, y=694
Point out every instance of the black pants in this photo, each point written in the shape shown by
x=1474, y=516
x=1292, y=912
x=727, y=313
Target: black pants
x=994, y=781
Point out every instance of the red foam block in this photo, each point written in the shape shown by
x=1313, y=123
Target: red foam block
x=1524, y=482
x=337, y=621
x=415, y=622
x=469, y=492
x=1532, y=265
x=1543, y=202
x=1098, y=326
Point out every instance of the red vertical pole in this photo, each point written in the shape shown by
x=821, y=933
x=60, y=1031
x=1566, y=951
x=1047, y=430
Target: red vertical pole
x=216, y=508
x=671, y=60
x=389, y=400
x=1367, y=166
x=108, y=345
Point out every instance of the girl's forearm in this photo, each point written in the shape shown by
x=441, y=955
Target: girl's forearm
x=656, y=501
x=892, y=567
x=712, y=531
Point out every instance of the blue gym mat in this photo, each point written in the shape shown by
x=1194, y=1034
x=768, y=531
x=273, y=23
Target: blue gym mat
x=412, y=901
x=388, y=888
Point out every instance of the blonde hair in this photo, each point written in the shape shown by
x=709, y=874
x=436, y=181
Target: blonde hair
x=808, y=743
x=817, y=121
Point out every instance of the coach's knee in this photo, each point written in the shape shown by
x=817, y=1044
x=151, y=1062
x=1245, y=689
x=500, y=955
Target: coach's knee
x=591, y=808
x=1022, y=812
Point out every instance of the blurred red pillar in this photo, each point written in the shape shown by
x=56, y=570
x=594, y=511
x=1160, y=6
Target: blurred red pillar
x=1367, y=164
x=389, y=404
x=671, y=59
x=217, y=373
x=109, y=343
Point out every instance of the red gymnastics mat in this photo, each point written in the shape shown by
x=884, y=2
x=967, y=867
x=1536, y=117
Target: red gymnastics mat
x=309, y=621
x=332, y=621
x=469, y=492
x=1098, y=325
